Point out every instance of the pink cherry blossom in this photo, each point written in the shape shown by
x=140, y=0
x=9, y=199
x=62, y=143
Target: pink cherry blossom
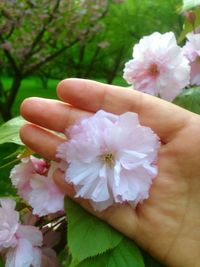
x=27, y=251
x=45, y=197
x=9, y=223
x=37, y=189
x=158, y=66
x=192, y=52
x=111, y=159
x=20, y=243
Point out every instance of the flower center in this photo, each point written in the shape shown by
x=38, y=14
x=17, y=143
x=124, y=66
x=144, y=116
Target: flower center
x=153, y=70
x=108, y=158
x=41, y=168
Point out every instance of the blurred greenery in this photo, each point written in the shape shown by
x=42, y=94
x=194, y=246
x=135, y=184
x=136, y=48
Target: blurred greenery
x=101, y=55
x=189, y=99
x=33, y=86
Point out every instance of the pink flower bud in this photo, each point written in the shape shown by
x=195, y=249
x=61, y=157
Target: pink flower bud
x=103, y=44
x=190, y=16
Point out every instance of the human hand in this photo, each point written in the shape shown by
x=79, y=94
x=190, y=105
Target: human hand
x=167, y=224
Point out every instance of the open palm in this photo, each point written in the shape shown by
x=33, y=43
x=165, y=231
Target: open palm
x=167, y=225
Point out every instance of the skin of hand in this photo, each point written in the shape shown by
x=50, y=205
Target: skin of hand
x=167, y=224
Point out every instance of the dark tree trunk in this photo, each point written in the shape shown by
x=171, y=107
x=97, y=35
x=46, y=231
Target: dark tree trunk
x=79, y=65
x=5, y=112
x=113, y=73
x=13, y=91
x=92, y=62
x=6, y=105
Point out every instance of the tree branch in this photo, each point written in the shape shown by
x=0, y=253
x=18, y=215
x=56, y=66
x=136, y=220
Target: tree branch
x=13, y=92
x=92, y=62
x=12, y=21
x=10, y=58
x=47, y=59
x=2, y=92
x=60, y=51
x=10, y=32
x=41, y=33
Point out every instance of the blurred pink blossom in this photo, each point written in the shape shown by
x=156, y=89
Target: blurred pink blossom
x=27, y=252
x=111, y=159
x=45, y=197
x=103, y=44
x=9, y=223
x=37, y=189
x=6, y=46
x=20, y=243
x=158, y=66
x=192, y=52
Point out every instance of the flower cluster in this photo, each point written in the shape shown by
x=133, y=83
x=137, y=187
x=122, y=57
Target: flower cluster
x=112, y=159
x=20, y=243
x=34, y=182
x=160, y=67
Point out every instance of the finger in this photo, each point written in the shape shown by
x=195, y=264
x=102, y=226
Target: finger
x=41, y=141
x=61, y=183
x=121, y=217
x=51, y=114
x=163, y=117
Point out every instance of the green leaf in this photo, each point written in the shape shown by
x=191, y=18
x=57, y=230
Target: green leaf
x=87, y=235
x=8, y=153
x=97, y=261
x=189, y=4
x=8, y=159
x=11, y=154
x=64, y=258
x=189, y=99
x=9, y=131
x=6, y=188
x=126, y=254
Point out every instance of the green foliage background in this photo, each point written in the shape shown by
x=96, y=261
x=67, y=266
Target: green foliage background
x=123, y=26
